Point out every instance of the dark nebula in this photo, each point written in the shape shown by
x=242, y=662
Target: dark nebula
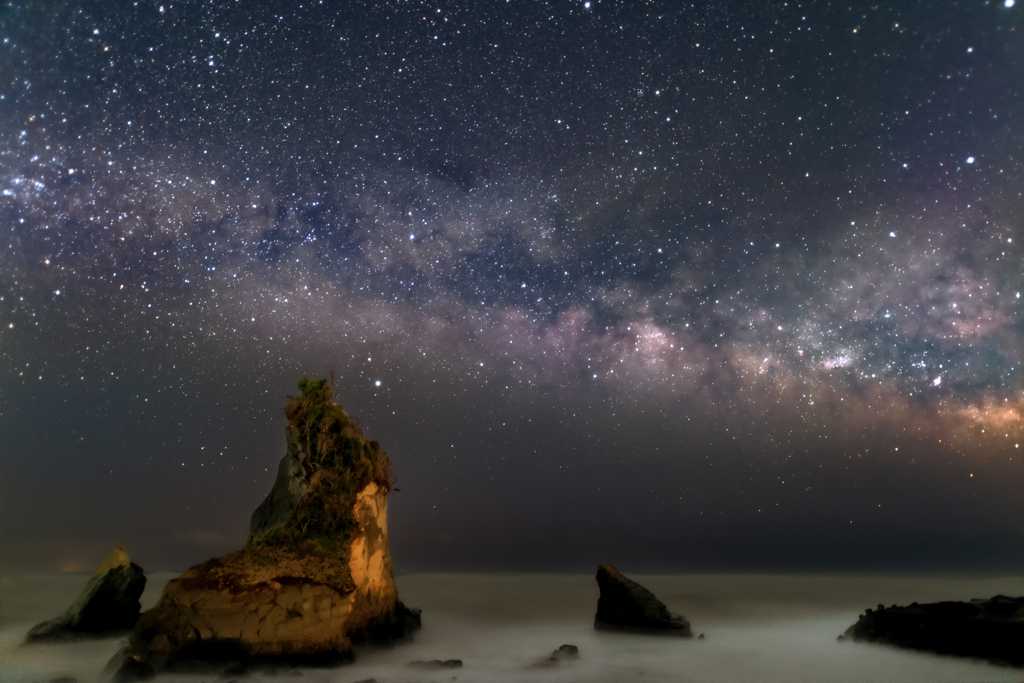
x=708, y=286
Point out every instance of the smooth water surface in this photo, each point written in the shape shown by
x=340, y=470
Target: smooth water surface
x=772, y=628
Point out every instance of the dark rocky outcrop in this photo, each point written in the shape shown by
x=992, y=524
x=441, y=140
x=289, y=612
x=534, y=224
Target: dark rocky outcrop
x=625, y=605
x=565, y=653
x=990, y=629
x=108, y=605
x=315, y=576
x=289, y=487
x=437, y=664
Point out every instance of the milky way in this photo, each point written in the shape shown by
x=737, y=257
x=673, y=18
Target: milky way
x=758, y=228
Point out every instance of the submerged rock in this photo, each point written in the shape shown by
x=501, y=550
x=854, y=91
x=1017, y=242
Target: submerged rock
x=315, y=575
x=565, y=653
x=437, y=664
x=625, y=605
x=990, y=629
x=109, y=603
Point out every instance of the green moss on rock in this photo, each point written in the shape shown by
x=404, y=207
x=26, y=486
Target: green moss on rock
x=337, y=462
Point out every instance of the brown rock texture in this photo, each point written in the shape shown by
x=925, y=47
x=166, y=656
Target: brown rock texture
x=308, y=583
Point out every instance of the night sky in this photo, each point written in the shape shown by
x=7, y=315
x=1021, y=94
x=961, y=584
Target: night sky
x=729, y=286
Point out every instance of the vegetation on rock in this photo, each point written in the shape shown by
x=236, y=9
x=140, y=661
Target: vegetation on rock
x=338, y=462
x=315, y=575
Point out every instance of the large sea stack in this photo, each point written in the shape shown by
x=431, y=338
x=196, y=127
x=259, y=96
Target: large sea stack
x=315, y=575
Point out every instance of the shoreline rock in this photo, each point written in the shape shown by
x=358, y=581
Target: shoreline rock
x=990, y=629
x=565, y=653
x=108, y=605
x=625, y=605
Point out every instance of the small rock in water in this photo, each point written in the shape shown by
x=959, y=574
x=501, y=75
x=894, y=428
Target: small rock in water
x=438, y=664
x=109, y=603
x=700, y=637
x=840, y=638
x=368, y=680
x=564, y=653
x=625, y=605
x=64, y=679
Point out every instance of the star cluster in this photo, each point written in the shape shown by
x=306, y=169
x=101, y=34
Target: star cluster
x=788, y=222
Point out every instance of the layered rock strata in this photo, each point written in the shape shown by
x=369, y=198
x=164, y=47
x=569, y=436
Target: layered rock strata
x=315, y=575
x=990, y=629
x=625, y=605
x=109, y=603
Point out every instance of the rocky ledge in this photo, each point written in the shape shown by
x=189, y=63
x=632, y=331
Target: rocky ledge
x=625, y=605
x=990, y=629
x=315, y=576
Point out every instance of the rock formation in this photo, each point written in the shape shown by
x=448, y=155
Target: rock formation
x=566, y=653
x=625, y=605
x=437, y=664
x=109, y=603
x=315, y=575
x=988, y=629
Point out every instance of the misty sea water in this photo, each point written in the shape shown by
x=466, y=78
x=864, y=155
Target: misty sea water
x=772, y=628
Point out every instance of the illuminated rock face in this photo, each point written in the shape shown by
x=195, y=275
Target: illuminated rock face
x=214, y=609
x=370, y=556
x=315, y=575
